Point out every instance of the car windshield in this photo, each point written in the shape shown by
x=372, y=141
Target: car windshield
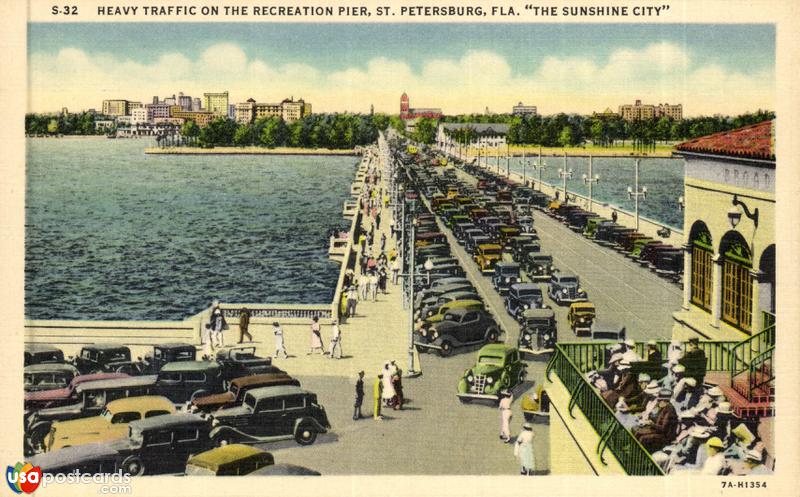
x=568, y=279
x=117, y=355
x=491, y=251
x=490, y=360
x=250, y=401
x=509, y=271
x=183, y=355
x=527, y=292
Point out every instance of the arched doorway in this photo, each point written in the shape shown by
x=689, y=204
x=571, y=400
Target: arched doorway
x=737, y=285
x=702, y=276
x=767, y=281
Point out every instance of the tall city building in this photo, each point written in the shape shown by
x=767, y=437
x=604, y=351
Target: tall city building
x=639, y=111
x=115, y=107
x=289, y=110
x=406, y=112
x=523, y=110
x=197, y=104
x=216, y=103
x=185, y=101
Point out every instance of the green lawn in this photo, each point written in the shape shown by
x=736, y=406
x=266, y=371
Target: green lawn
x=662, y=150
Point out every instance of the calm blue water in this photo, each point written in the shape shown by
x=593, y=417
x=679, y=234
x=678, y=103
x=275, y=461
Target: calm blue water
x=112, y=233
x=662, y=177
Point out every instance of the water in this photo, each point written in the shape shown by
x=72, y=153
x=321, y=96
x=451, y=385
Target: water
x=662, y=177
x=112, y=233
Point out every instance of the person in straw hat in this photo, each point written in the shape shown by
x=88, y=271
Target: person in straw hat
x=753, y=463
x=523, y=450
x=715, y=464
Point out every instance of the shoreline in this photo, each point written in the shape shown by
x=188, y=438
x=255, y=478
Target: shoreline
x=248, y=151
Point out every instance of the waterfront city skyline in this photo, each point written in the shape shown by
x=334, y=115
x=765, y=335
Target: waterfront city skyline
x=710, y=69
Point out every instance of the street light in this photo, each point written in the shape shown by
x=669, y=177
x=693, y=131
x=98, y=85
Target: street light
x=411, y=370
x=636, y=193
x=428, y=266
x=565, y=173
x=681, y=203
x=590, y=180
x=735, y=217
x=539, y=165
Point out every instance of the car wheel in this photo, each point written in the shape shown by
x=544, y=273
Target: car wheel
x=521, y=377
x=132, y=466
x=446, y=349
x=491, y=335
x=306, y=434
x=37, y=438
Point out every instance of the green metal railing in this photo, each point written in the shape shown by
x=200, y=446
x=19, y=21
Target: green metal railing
x=632, y=456
x=761, y=373
x=749, y=352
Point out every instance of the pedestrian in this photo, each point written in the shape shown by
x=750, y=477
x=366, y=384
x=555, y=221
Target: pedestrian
x=377, y=395
x=506, y=399
x=280, y=347
x=218, y=325
x=352, y=301
x=363, y=286
x=359, y=396
x=613, y=216
x=397, y=383
x=523, y=450
x=343, y=305
x=373, y=285
x=364, y=262
x=378, y=220
x=383, y=242
x=395, y=269
x=382, y=279
x=316, y=337
x=244, y=324
x=389, y=394
x=336, y=341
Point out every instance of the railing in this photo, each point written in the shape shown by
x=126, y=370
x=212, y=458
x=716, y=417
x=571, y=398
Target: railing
x=278, y=311
x=744, y=353
x=630, y=454
x=761, y=373
x=588, y=356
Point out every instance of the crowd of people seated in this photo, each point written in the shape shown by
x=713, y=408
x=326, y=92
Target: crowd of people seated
x=686, y=424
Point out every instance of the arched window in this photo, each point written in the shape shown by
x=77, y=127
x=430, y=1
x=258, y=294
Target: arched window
x=702, y=265
x=737, y=285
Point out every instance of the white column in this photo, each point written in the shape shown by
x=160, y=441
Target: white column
x=687, y=276
x=716, y=297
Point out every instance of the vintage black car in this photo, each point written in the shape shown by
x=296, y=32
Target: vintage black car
x=538, y=333
x=431, y=306
x=92, y=398
x=166, y=353
x=523, y=296
x=184, y=381
x=564, y=288
x=458, y=328
x=460, y=229
x=437, y=249
x=161, y=444
x=48, y=376
x=40, y=353
x=243, y=361
x=474, y=241
x=104, y=358
x=271, y=414
x=524, y=247
x=539, y=267
x=526, y=224
x=424, y=280
x=94, y=458
x=505, y=275
x=607, y=330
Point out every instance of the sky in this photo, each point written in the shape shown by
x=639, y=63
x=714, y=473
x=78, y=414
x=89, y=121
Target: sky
x=462, y=68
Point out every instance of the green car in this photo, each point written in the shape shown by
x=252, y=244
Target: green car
x=591, y=226
x=498, y=368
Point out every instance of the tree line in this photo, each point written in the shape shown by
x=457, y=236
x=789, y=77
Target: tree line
x=62, y=124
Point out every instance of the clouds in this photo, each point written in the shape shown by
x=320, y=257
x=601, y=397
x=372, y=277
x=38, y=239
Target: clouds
x=656, y=72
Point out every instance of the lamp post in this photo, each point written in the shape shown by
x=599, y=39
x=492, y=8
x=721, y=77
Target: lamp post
x=428, y=267
x=565, y=174
x=635, y=193
x=590, y=180
x=539, y=165
x=681, y=203
x=411, y=371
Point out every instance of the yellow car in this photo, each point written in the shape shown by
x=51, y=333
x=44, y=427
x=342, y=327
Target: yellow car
x=229, y=460
x=487, y=256
x=449, y=306
x=110, y=425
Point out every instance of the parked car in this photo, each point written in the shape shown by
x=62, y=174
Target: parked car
x=505, y=234
x=91, y=398
x=457, y=328
x=498, y=367
x=424, y=280
x=66, y=395
x=591, y=225
x=473, y=242
x=565, y=288
x=538, y=333
x=229, y=460
x=437, y=249
x=539, y=266
x=162, y=444
x=271, y=414
x=42, y=353
x=186, y=380
x=96, y=458
x=111, y=424
x=450, y=306
x=237, y=361
x=104, y=358
x=47, y=376
x=166, y=353
x=523, y=296
x=487, y=256
x=432, y=305
x=607, y=330
x=236, y=390
x=580, y=317
x=429, y=296
x=505, y=275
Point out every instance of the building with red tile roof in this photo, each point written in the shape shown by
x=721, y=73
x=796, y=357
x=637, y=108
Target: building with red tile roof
x=756, y=141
